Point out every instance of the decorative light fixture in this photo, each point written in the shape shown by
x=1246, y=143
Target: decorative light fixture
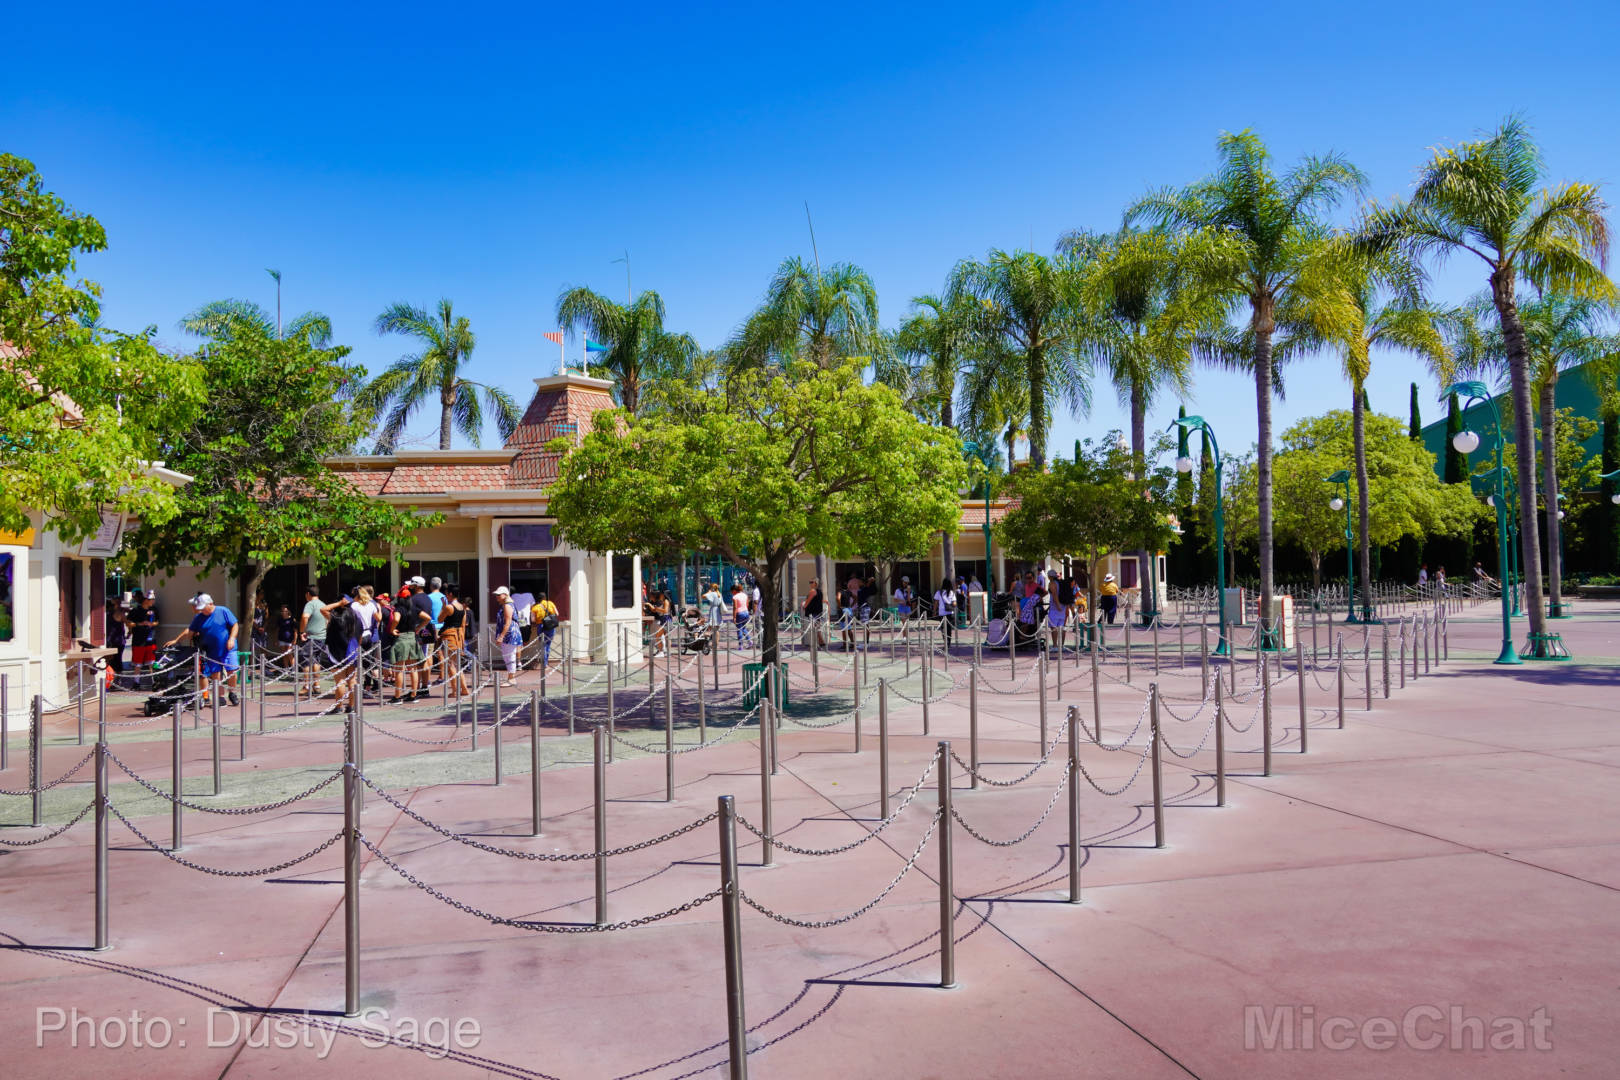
x=1337, y=503
x=1466, y=441
x=1184, y=464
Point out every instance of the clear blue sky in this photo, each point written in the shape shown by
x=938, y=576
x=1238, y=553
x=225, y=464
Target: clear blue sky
x=495, y=155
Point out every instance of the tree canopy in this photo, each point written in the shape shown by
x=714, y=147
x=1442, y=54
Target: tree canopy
x=772, y=464
x=262, y=493
x=81, y=407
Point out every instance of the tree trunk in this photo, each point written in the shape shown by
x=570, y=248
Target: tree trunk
x=1316, y=572
x=1549, y=484
x=821, y=578
x=447, y=404
x=1363, y=507
x=1037, y=409
x=1144, y=558
x=1507, y=311
x=770, y=610
x=947, y=556
x=1263, y=329
x=250, y=575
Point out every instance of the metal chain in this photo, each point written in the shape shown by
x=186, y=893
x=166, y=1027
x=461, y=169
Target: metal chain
x=1046, y=756
x=523, y=924
x=234, y=810
x=1127, y=740
x=60, y=779
x=1254, y=718
x=409, y=739
x=52, y=835
x=911, y=793
x=1123, y=787
x=188, y=864
x=1027, y=833
x=532, y=856
x=1208, y=728
x=822, y=924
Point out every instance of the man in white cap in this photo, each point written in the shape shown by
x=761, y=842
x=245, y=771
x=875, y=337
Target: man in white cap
x=213, y=630
x=903, y=597
x=507, y=632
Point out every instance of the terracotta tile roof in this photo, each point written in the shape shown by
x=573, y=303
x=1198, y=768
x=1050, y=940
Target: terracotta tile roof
x=974, y=515
x=368, y=481
x=437, y=479
x=551, y=413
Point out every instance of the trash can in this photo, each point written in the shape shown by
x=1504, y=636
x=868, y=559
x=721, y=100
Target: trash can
x=753, y=686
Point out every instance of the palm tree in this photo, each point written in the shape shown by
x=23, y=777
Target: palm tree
x=1388, y=312
x=214, y=320
x=812, y=314
x=1258, y=236
x=1481, y=197
x=937, y=341
x=639, y=348
x=1560, y=333
x=447, y=343
x=1025, y=308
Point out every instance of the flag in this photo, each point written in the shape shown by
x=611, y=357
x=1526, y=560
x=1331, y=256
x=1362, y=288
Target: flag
x=596, y=346
x=555, y=337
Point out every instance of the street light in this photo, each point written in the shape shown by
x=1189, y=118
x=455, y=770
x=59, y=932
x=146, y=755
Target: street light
x=1466, y=442
x=1184, y=464
x=1343, y=503
x=1615, y=498
x=972, y=448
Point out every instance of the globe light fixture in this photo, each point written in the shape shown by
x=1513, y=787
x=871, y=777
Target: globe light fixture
x=1615, y=498
x=1465, y=441
x=1337, y=503
x=1560, y=515
x=1490, y=500
x=1184, y=464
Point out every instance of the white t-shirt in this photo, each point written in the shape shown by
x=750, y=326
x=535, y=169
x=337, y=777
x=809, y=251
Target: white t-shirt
x=739, y=603
x=944, y=602
x=367, y=614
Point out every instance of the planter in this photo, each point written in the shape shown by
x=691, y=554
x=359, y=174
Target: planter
x=1600, y=592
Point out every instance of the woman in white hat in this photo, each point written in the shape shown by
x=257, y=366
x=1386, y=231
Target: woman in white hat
x=507, y=632
x=1108, y=597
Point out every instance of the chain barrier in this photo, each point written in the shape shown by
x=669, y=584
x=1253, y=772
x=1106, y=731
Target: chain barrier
x=823, y=924
x=1254, y=718
x=238, y=811
x=1046, y=756
x=450, y=740
x=53, y=834
x=911, y=793
x=1209, y=728
x=60, y=779
x=524, y=924
x=1027, y=833
x=1110, y=792
x=1141, y=716
x=188, y=864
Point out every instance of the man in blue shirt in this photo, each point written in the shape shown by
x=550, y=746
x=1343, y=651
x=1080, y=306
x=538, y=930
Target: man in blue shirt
x=213, y=629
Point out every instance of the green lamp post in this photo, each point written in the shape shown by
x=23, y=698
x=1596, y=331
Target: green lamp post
x=1467, y=441
x=1342, y=502
x=1184, y=464
x=1510, y=572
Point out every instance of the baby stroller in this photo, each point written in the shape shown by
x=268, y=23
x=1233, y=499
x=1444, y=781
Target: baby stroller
x=696, y=633
x=171, y=679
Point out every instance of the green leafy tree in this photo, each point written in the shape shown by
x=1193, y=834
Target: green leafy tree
x=1482, y=197
x=640, y=349
x=773, y=464
x=1097, y=504
x=445, y=345
x=821, y=316
x=1026, y=311
x=82, y=408
x=1260, y=238
x=262, y=493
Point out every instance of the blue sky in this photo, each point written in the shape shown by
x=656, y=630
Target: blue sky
x=496, y=154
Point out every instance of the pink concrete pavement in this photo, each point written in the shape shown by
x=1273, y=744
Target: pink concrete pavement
x=1452, y=848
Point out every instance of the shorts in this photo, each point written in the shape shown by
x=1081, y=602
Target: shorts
x=405, y=650
x=143, y=654
x=212, y=667
x=314, y=654
x=452, y=639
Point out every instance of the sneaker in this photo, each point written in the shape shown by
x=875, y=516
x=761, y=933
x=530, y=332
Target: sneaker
x=231, y=697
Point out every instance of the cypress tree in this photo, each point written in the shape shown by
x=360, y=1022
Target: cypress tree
x=1608, y=538
x=1366, y=403
x=1415, y=427
x=1456, y=462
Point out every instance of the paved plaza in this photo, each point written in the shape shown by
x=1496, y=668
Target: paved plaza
x=1429, y=891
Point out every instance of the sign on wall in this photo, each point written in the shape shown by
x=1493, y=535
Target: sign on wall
x=520, y=537
x=104, y=543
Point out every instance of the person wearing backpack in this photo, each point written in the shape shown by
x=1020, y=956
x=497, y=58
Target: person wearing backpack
x=945, y=609
x=544, y=615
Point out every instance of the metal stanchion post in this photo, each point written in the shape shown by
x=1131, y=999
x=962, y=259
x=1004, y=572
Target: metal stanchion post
x=5, y=721
x=1366, y=670
x=766, y=851
x=177, y=780
x=351, y=891
x=1155, y=646
x=1073, y=720
x=669, y=736
x=1181, y=646
x=1040, y=677
x=197, y=686
x=883, y=748
x=1127, y=648
x=731, y=923
x=1096, y=690
x=1383, y=655
x=598, y=737
x=1220, y=748
x=1058, y=682
x=923, y=671
x=773, y=713
x=947, y=901
x=568, y=675
x=495, y=683
x=534, y=758
x=101, y=845
x=101, y=712
x=36, y=753
x=296, y=687
x=1339, y=671
x=610, y=699
x=1299, y=673
x=815, y=652
x=703, y=709
x=219, y=765
x=973, y=726
x=855, y=689
x=1400, y=662
x=1265, y=712
x=1428, y=650
x=1158, y=765
x=264, y=688
x=495, y=733
x=1203, y=662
